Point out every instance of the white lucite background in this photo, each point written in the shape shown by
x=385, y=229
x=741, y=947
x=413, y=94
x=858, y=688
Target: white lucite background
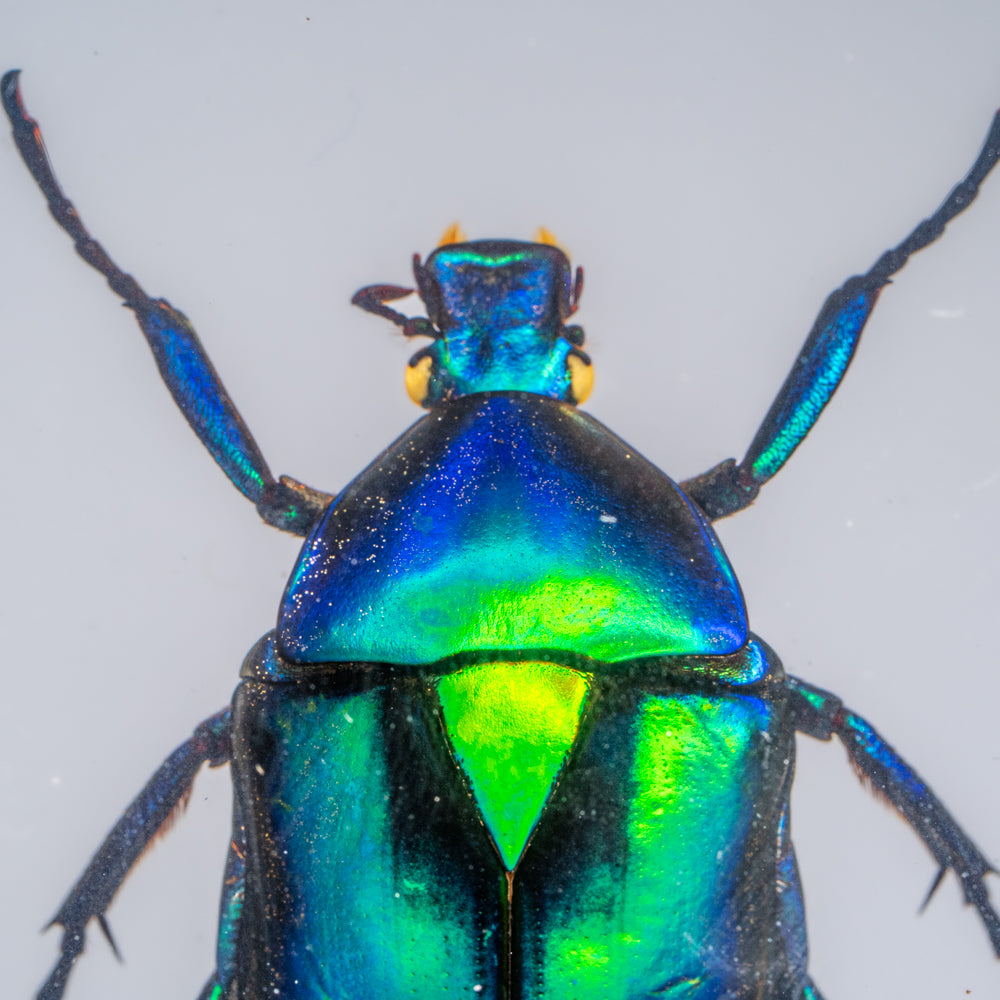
x=717, y=167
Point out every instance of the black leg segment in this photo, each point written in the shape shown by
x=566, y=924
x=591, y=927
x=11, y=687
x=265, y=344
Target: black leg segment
x=168, y=789
x=820, y=714
x=822, y=362
x=184, y=366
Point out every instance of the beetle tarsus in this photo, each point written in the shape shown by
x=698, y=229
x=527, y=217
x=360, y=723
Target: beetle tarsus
x=131, y=836
x=28, y=138
x=822, y=715
x=827, y=352
x=182, y=361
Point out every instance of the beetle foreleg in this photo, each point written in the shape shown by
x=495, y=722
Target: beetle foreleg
x=146, y=816
x=822, y=715
x=184, y=366
x=824, y=357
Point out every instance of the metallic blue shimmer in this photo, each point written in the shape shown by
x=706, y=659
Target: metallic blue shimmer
x=812, y=382
x=883, y=758
x=199, y=393
x=510, y=523
x=499, y=307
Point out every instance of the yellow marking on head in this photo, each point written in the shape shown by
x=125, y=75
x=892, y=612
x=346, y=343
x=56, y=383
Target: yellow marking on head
x=581, y=377
x=418, y=377
x=453, y=234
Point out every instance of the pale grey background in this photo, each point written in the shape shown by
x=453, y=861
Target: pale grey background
x=717, y=167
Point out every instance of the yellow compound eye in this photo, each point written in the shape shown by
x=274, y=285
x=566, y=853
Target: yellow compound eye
x=581, y=377
x=418, y=377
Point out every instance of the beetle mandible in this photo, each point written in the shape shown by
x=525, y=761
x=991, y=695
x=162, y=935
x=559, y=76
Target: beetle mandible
x=512, y=735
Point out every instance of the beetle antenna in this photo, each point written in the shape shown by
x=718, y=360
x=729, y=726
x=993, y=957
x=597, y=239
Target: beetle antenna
x=373, y=298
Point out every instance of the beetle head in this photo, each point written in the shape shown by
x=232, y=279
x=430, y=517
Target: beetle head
x=497, y=311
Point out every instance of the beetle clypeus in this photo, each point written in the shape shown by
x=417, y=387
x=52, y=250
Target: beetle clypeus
x=512, y=736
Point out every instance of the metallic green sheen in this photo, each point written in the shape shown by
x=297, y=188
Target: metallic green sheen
x=511, y=726
x=499, y=307
x=809, y=386
x=377, y=880
x=510, y=522
x=651, y=868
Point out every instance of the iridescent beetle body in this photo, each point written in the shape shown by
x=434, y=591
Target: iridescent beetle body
x=512, y=736
x=518, y=581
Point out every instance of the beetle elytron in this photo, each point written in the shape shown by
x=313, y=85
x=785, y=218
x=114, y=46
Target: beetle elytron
x=512, y=736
